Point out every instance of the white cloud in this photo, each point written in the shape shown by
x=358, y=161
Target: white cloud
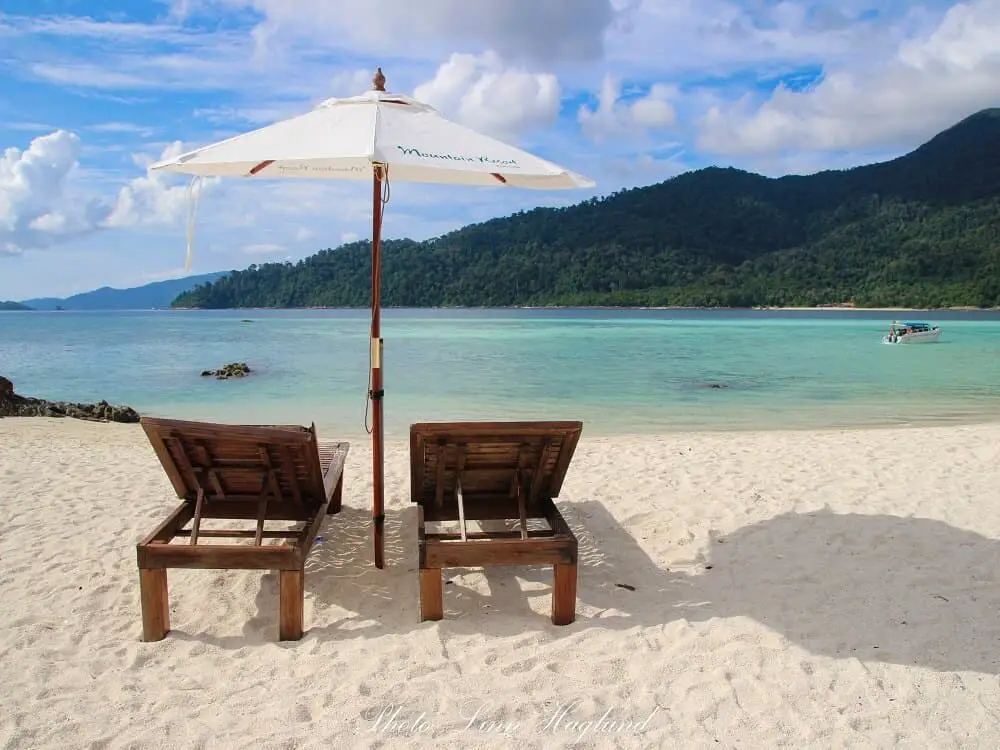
x=614, y=117
x=645, y=168
x=347, y=237
x=523, y=30
x=88, y=55
x=483, y=93
x=262, y=248
x=351, y=82
x=126, y=128
x=668, y=38
x=151, y=200
x=34, y=211
x=31, y=127
x=929, y=83
x=82, y=27
x=42, y=200
x=80, y=74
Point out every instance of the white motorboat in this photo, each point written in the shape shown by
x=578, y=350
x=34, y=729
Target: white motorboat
x=909, y=332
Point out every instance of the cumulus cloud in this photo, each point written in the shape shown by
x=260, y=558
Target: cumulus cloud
x=613, y=116
x=930, y=82
x=34, y=209
x=42, y=202
x=485, y=94
x=150, y=200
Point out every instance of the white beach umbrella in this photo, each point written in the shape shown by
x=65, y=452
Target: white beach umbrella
x=381, y=137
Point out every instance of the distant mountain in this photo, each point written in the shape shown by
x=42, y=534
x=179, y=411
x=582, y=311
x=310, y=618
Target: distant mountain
x=920, y=230
x=159, y=294
x=12, y=306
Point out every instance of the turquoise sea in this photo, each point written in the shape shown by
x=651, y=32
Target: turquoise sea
x=622, y=372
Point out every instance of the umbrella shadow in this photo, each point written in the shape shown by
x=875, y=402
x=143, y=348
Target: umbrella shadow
x=879, y=588
x=339, y=573
x=901, y=590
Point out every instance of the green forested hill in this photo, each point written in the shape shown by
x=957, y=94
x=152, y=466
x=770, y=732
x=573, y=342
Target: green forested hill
x=921, y=230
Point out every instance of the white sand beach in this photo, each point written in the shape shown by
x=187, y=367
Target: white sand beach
x=792, y=589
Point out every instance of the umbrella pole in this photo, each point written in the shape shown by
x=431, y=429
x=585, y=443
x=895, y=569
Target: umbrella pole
x=376, y=392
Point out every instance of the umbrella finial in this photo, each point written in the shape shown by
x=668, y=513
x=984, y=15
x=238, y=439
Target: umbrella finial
x=378, y=80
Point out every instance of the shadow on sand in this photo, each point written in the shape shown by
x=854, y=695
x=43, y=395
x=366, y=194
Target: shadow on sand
x=879, y=588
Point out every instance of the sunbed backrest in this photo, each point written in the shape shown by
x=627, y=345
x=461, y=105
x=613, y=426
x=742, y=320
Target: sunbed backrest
x=489, y=455
x=230, y=462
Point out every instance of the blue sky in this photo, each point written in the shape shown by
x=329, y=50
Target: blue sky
x=627, y=92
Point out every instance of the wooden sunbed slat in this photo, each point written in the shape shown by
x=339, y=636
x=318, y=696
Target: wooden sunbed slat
x=288, y=466
x=459, y=465
x=240, y=534
x=199, y=508
x=440, y=451
x=522, y=459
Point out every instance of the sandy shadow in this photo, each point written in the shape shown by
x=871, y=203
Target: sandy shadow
x=340, y=574
x=879, y=588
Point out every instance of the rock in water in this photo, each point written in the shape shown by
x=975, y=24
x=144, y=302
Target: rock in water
x=232, y=370
x=13, y=405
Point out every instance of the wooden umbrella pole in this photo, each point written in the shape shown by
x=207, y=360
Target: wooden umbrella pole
x=376, y=393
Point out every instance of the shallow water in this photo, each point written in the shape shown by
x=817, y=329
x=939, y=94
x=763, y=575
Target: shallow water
x=622, y=372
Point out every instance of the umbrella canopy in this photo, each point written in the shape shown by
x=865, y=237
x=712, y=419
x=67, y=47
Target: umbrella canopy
x=377, y=136
x=343, y=138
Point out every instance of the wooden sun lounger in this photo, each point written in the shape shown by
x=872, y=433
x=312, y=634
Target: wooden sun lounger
x=492, y=471
x=261, y=474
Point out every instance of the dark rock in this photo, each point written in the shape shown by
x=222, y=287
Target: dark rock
x=13, y=405
x=232, y=370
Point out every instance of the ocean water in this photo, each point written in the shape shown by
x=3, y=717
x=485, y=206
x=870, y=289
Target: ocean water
x=621, y=372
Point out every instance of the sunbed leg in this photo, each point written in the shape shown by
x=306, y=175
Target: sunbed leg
x=431, y=594
x=563, y=593
x=336, y=502
x=291, y=602
x=155, y=603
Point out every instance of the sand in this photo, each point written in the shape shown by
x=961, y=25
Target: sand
x=796, y=589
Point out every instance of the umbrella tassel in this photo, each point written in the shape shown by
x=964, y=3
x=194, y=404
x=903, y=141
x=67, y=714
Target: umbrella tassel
x=193, y=196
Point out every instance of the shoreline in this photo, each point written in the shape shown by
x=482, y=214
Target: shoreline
x=819, y=308
x=658, y=433
x=754, y=308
